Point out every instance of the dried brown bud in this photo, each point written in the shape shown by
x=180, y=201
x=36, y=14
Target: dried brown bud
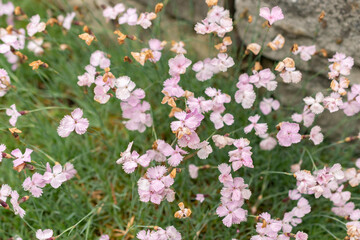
x=18, y=11
x=295, y=47
x=87, y=38
x=289, y=62
x=250, y=19
x=211, y=3
x=159, y=7
x=254, y=48
x=36, y=64
x=127, y=59
x=257, y=66
x=173, y=173
x=322, y=15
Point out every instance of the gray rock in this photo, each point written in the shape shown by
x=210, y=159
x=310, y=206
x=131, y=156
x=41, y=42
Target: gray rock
x=339, y=32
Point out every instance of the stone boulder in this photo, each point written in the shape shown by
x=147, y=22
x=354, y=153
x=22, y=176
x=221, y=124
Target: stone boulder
x=338, y=32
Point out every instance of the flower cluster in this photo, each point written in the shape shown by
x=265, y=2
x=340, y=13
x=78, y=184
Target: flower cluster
x=170, y=233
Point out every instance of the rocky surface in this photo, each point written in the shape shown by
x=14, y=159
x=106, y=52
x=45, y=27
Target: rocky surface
x=339, y=31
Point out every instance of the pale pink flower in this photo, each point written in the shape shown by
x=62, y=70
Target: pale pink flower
x=176, y=157
x=6, y=8
x=242, y=155
x=301, y=236
x=21, y=158
x=269, y=104
x=225, y=25
x=219, y=120
x=178, y=65
x=288, y=134
x=265, y=78
x=156, y=186
x=246, y=94
x=333, y=102
x=269, y=143
x=73, y=122
x=145, y=19
x=199, y=104
x=315, y=103
x=193, y=171
x=35, y=46
x=130, y=160
x=236, y=190
x=35, y=25
x=316, y=136
x=88, y=77
x=341, y=65
x=305, y=52
x=14, y=114
x=104, y=237
x=34, y=184
x=44, y=234
x=172, y=88
x=124, y=87
x=206, y=27
x=55, y=176
x=136, y=114
x=291, y=76
x=113, y=12
x=178, y=47
x=68, y=20
x=189, y=121
x=260, y=128
x=232, y=213
x=222, y=141
x=15, y=203
x=5, y=192
x=130, y=17
x=204, y=69
x=200, y=197
x=307, y=117
x=4, y=82
x=99, y=58
x=69, y=170
x=2, y=149
x=223, y=62
x=205, y=150
x=271, y=16
x=225, y=171
x=101, y=94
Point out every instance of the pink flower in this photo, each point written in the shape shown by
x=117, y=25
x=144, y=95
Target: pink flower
x=341, y=65
x=137, y=117
x=113, y=12
x=35, y=25
x=268, y=104
x=69, y=171
x=232, y=213
x=4, y=82
x=124, y=87
x=219, y=120
x=205, y=150
x=200, y=197
x=14, y=114
x=291, y=76
x=246, y=94
x=222, y=141
x=265, y=78
x=260, y=128
x=6, y=8
x=34, y=184
x=176, y=157
x=301, y=236
x=204, y=69
x=269, y=143
x=66, y=22
x=88, y=77
x=172, y=88
x=178, y=65
x=236, y=190
x=242, y=155
x=101, y=94
x=316, y=136
x=145, y=19
x=225, y=171
x=99, y=58
x=305, y=52
x=333, y=102
x=193, y=171
x=307, y=116
x=44, y=234
x=272, y=16
x=223, y=62
x=130, y=160
x=15, y=203
x=156, y=186
x=55, y=176
x=21, y=158
x=315, y=103
x=74, y=122
x=288, y=134
x=189, y=121
x=104, y=237
x=178, y=47
x=130, y=17
x=199, y=104
x=5, y=192
x=2, y=149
